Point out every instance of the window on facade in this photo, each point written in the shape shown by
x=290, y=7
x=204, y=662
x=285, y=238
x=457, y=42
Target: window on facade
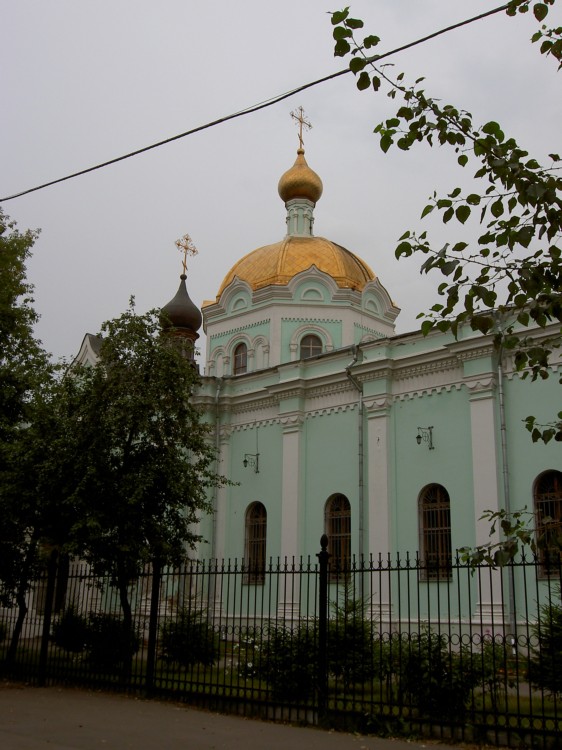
x=435, y=533
x=256, y=534
x=548, y=521
x=310, y=346
x=241, y=359
x=337, y=524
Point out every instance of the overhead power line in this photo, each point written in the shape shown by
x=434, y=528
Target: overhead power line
x=255, y=107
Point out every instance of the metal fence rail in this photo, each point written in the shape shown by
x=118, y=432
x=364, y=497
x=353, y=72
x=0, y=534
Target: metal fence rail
x=384, y=646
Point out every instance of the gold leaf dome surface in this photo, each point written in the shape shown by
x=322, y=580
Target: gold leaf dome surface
x=278, y=263
x=300, y=181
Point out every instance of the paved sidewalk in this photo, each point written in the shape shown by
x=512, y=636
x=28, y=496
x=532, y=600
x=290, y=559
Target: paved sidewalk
x=65, y=719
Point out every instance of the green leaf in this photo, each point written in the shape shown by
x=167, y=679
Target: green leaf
x=356, y=64
x=341, y=33
x=427, y=210
x=462, y=160
x=370, y=41
x=354, y=23
x=385, y=142
x=473, y=199
x=497, y=208
x=341, y=48
x=540, y=11
x=364, y=81
x=339, y=16
x=462, y=213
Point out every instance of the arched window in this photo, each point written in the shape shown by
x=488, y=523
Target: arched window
x=310, y=346
x=548, y=521
x=435, y=533
x=240, y=359
x=337, y=525
x=256, y=534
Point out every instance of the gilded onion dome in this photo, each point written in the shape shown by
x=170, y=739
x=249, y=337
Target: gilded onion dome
x=277, y=264
x=300, y=181
x=300, y=187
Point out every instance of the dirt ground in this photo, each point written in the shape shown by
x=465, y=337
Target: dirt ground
x=55, y=718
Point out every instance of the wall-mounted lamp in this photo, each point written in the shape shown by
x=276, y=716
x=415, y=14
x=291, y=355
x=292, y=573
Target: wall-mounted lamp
x=253, y=460
x=425, y=434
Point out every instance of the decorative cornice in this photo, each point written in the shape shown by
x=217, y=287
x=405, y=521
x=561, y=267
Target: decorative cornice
x=425, y=368
x=243, y=328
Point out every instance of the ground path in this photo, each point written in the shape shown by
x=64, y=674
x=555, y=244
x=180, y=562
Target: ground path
x=55, y=718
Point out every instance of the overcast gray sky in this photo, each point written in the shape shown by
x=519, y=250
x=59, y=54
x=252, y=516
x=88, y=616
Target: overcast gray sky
x=83, y=82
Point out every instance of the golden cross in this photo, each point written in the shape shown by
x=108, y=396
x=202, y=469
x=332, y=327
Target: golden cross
x=186, y=246
x=298, y=115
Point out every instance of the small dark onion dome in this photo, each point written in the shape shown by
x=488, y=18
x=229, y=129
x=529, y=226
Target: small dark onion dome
x=180, y=317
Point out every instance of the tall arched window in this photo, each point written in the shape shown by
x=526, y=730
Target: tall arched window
x=337, y=524
x=435, y=533
x=256, y=535
x=240, y=359
x=310, y=346
x=548, y=521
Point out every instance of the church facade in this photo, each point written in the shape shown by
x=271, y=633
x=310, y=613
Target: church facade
x=328, y=422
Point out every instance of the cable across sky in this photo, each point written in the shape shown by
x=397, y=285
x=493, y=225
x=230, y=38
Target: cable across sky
x=253, y=108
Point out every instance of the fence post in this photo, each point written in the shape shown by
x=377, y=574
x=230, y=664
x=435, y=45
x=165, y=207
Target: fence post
x=153, y=625
x=323, y=557
x=47, y=616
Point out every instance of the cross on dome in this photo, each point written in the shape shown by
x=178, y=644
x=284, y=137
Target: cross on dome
x=186, y=246
x=298, y=116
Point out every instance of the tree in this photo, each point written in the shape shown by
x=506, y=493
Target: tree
x=23, y=362
x=515, y=266
x=26, y=375
x=142, y=456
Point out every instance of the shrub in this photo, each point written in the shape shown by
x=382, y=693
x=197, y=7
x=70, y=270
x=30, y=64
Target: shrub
x=70, y=631
x=289, y=661
x=110, y=642
x=491, y=668
x=545, y=667
x=435, y=680
x=350, y=643
x=189, y=639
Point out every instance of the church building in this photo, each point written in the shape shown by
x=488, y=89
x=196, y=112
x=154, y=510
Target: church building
x=326, y=421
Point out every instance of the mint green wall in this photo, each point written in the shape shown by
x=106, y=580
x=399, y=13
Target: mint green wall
x=264, y=487
x=414, y=466
x=331, y=454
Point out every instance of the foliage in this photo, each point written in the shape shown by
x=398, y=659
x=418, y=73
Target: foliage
x=518, y=533
x=491, y=666
x=23, y=362
x=515, y=266
x=189, y=639
x=432, y=678
x=71, y=630
x=350, y=642
x=545, y=667
x=289, y=661
x=111, y=641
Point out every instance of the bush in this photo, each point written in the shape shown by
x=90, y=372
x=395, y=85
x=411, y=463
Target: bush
x=289, y=661
x=491, y=668
x=545, y=667
x=350, y=643
x=435, y=680
x=70, y=631
x=189, y=639
x=110, y=643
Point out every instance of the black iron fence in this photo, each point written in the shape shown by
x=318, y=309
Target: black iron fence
x=381, y=647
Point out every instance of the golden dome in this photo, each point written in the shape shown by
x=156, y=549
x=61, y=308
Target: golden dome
x=300, y=181
x=279, y=263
